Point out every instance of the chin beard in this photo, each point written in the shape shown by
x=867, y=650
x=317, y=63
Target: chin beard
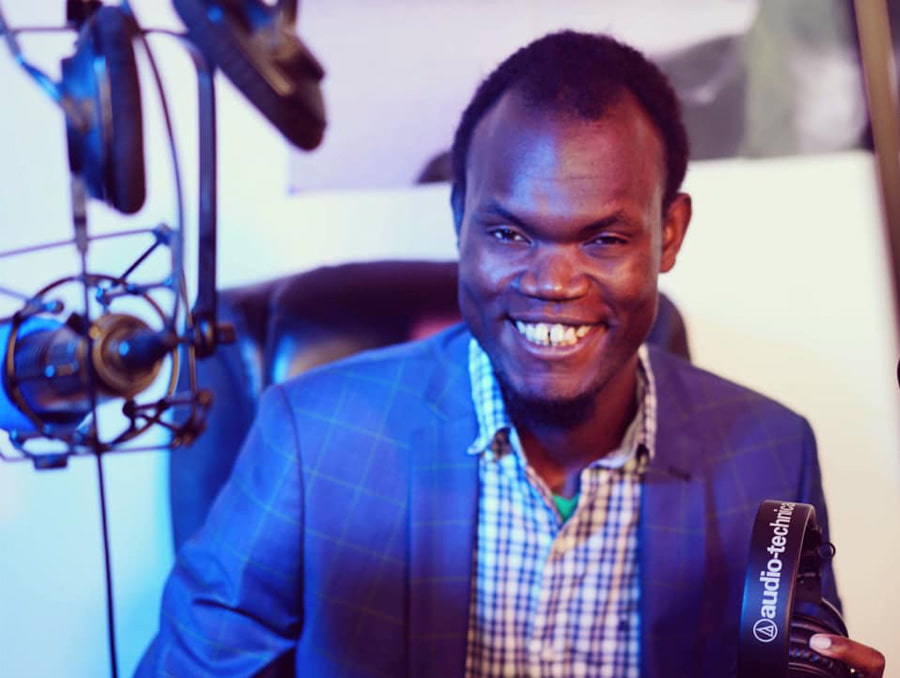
x=526, y=409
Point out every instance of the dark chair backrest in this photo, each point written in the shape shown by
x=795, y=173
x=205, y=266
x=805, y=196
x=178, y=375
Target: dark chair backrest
x=289, y=325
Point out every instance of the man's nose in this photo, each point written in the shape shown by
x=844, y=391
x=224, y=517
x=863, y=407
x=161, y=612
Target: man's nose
x=554, y=273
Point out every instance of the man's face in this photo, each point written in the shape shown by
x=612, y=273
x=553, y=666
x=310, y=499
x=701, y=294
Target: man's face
x=561, y=239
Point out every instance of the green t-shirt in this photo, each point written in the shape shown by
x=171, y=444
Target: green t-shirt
x=566, y=507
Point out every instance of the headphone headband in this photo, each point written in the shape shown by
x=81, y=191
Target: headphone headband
x=783, y=605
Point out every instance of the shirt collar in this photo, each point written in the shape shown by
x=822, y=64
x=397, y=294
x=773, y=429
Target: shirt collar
x=496, y=432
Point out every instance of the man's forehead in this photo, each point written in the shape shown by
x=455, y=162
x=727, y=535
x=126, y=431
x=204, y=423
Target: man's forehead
x=515, y=126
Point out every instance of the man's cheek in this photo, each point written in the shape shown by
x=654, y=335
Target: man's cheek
x=471, y=303
x=481, y=277
x=632, y=282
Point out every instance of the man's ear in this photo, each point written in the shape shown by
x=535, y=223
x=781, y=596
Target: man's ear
x=675, y=225
x=457, y=203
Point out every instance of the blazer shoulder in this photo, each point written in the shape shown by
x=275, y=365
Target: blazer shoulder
x=686, y=390
x=417, y=372
x=747, y=445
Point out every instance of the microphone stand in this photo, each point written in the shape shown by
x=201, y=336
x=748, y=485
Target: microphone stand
x=203, y=330
x=207, y=332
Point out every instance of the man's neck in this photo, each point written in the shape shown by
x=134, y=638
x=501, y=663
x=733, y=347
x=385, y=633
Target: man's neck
x=558, y=454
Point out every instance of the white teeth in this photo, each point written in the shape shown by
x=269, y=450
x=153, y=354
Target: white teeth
x=556, y=334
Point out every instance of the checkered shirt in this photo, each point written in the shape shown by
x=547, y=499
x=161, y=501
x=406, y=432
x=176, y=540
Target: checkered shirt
x=553, y=598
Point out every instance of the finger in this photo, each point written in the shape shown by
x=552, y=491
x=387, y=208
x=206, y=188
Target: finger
x=863, y=658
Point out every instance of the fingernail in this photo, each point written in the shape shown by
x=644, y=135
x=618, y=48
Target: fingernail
x=819, y=642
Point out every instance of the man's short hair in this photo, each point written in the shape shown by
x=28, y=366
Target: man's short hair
x=580, y=74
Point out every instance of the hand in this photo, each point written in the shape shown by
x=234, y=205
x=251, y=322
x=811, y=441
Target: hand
x=866, y=661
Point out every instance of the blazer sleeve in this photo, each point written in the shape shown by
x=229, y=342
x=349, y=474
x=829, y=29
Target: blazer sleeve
x=811, y=493
x=232, y=605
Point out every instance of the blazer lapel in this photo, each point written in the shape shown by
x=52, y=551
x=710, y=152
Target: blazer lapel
x=443, y=515
x=673, y=539
x=443, y=523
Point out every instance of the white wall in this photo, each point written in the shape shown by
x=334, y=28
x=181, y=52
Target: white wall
x=399, y=72
x=782, y=282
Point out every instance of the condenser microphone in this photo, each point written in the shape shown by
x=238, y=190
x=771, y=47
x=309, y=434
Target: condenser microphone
x=52, y=371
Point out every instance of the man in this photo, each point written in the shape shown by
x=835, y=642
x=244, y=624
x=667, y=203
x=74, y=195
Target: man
x=533, y=493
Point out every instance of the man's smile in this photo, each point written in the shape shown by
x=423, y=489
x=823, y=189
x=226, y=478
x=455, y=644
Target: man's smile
x=552, y=334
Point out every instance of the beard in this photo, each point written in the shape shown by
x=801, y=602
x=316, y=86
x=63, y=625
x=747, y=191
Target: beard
x=529, y=410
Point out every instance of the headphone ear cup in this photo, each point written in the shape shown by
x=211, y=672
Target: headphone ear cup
x=265, y=60
x=105, y=133
x=808, y=619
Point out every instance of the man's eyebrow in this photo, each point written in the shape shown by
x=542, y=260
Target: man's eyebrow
x=619, y=216
x=495, y=209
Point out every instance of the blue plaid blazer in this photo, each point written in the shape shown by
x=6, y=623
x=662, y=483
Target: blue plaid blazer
x=342, y=545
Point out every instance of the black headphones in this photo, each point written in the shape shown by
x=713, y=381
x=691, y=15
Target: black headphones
x=101, y=96
x=252, y=42
x=783, y=605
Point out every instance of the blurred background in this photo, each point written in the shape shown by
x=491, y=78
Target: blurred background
x=783, y=280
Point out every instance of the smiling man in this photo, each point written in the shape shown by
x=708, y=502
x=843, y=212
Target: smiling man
x=563, y=231
x=536, y=492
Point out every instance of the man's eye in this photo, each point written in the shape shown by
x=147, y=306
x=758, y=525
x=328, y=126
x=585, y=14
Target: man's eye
x=506, y=234
x=608, y=240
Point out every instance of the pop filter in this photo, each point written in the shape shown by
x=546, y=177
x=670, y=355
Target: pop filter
x=783, y=605
x=256, y=46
